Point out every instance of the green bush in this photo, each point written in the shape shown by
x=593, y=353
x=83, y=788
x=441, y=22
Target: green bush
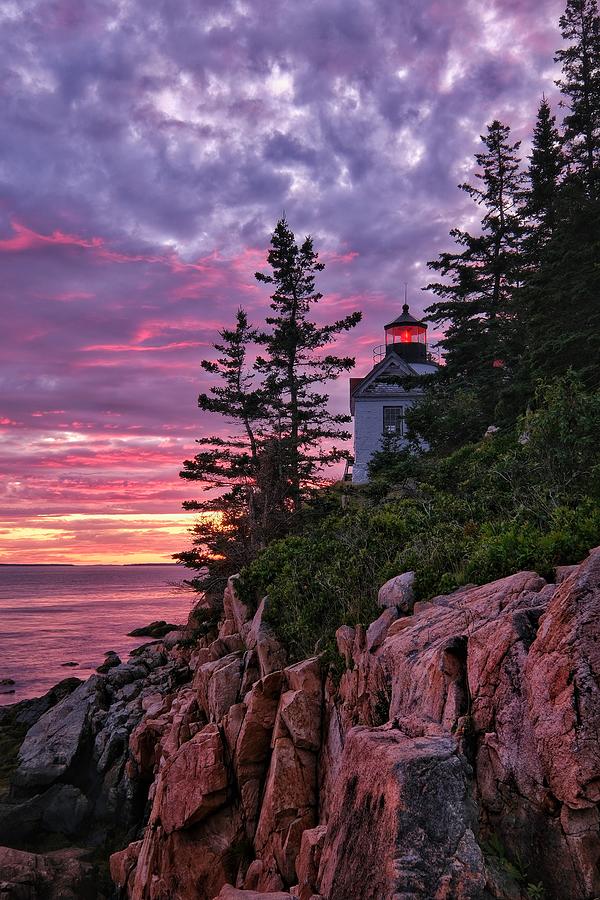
x=523, y=499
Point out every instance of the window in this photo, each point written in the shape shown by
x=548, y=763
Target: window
x=393, y=420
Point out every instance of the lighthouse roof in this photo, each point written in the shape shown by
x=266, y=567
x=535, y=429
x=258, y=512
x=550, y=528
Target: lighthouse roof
x=406, y=319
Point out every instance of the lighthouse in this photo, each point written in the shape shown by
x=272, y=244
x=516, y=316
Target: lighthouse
x=378, y=402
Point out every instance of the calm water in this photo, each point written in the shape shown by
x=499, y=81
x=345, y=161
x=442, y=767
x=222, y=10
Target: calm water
x=50, y=615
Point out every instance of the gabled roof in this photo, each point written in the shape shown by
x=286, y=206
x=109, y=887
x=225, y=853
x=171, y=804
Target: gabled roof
x=391, y=364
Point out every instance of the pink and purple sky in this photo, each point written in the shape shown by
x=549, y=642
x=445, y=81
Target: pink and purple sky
x=148, y=148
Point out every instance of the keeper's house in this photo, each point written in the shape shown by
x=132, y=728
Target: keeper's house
x=379, y=401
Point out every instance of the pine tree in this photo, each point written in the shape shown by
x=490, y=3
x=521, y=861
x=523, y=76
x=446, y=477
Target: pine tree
x=245, y=507
x=479, y=280
x=293, y=365
x=541, y=195
x=580, y=26
x=561, y=305
x=232, y=460
x=562, y=295
x=541, y=213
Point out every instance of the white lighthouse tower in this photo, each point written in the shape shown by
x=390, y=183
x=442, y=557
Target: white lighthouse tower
x=378, y=402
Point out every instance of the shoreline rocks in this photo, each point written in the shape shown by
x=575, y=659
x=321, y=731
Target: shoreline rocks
x=456, y=758
x=156, y=629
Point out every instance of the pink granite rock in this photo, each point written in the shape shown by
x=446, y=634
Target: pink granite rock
x=193, y=784
x=401, y=825
x=308, y=861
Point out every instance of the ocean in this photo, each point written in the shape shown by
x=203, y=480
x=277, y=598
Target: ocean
x=52, y=615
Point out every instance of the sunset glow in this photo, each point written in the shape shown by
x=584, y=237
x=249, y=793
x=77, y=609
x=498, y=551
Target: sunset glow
x=147, y=158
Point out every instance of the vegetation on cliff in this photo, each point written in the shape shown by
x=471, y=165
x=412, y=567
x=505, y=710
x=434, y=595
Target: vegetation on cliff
x=510, y=479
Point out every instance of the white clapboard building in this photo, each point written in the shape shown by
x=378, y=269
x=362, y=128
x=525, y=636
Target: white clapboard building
x=378, y=401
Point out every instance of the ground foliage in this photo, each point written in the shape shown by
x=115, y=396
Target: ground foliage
x=525, y=498
x=510, y=478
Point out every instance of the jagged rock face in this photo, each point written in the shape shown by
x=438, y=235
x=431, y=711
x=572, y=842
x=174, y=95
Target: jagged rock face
x=457, y=759
x=402, y=823
x=471, y=723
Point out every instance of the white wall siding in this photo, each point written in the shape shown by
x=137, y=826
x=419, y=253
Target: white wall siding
x=368, y=430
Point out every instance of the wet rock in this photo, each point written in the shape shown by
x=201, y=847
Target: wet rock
x=112, y=660
x=154, y=630
x=27, y=712
x=52, y=744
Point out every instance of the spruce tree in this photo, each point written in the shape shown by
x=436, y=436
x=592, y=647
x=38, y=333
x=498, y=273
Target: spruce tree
x=231, y=460
x=541, y=195
x=476, y=305
x=294, y=365
x=243, y=510
x=580, y=84
x=561, y=302
x=541, y=212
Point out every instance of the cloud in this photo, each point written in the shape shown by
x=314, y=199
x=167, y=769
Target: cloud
x=146, y=158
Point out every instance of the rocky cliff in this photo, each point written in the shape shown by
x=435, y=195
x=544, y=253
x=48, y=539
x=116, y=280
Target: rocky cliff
x=457, y=756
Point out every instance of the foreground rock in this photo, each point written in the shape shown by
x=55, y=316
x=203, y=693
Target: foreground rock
x=403, y=809
x=72, y=778
x=457, y=758
x=468, y=725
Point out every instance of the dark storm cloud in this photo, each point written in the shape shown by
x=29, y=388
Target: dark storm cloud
x=148, y=148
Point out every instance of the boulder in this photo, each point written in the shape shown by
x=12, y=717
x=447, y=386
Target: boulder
x=122, y=866
x=27, y=712
x=112, y=660
x=563, y=681
x=234, y=609
x=218, y=683
x=271, y=654
x=399, y=592
x=299, y=717
x=193, y=863
x=401, y=822
x=192, y=784
x=52, y=744
x=154, y=630
x=288, y=808
x=254, y=739
x=344, y=638
x=63, y=809
x=253, y=743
